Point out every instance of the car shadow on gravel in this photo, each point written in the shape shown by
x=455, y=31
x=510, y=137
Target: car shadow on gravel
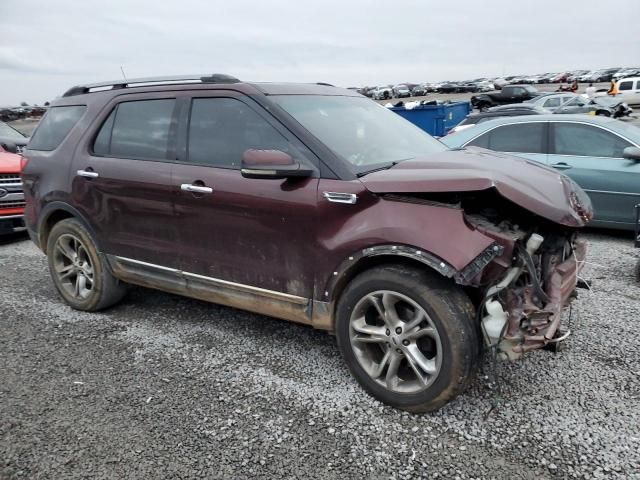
x=10, y=238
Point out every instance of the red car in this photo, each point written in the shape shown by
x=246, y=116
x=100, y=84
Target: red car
x=11, y=196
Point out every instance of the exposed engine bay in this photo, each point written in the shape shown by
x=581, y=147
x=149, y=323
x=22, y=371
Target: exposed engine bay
x=523, y=283
x=526, y=288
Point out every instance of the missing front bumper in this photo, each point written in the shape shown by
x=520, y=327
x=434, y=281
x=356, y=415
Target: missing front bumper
x=530, y=327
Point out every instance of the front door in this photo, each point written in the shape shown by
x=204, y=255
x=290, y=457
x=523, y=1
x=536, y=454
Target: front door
x=629, y=91
x=255, y=233
x=122, y=182
x=592, y=156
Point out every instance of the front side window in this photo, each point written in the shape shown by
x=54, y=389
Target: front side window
x=576, y=102
x=625, y=86
x=586, y=140
x=520, y=138
x=54, y=127
x=222, y=129
x=364, y=133
x=136, y=129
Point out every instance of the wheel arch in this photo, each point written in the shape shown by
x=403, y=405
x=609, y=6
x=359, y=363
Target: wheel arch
x=56, y=212
x=363, y=260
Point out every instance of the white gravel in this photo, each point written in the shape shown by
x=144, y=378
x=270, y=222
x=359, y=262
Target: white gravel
x=163, y=386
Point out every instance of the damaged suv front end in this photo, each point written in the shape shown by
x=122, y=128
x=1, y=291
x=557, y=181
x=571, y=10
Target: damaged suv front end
x=526, y=277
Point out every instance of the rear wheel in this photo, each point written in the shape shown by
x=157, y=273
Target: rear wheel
x=408, y=337
x=79, y=272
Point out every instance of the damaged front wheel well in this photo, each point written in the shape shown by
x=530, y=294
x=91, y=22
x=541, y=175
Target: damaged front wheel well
x=378, y=260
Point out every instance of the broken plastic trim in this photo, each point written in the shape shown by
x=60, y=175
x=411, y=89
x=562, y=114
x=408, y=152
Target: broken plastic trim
x=464, y=276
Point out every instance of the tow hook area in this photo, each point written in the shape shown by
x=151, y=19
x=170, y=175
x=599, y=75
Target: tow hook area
x=521, y=315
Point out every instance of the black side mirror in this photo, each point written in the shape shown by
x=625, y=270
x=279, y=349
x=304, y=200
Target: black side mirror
x=10, y=147
x=272, y=164
x=632, y=153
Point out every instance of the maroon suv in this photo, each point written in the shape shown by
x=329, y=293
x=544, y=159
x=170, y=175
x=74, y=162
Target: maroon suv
x=313, y=204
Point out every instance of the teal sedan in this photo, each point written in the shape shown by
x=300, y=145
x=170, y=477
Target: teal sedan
x=601, y=154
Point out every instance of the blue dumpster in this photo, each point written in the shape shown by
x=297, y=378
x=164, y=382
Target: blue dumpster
x=436, y=120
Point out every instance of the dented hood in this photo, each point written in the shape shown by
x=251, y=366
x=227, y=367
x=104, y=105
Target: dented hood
x=537, y=188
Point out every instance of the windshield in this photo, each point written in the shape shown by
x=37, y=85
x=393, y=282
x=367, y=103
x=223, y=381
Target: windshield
x=530, y=89
x=362, y=132
x=8, y=132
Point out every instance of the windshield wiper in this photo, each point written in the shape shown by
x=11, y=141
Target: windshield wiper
x=386, y=166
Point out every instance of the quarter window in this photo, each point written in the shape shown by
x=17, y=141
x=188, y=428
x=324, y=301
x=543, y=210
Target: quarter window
x=138, y=129
x=520, y=138
x=55, y=126
x=222, y=129
x=586, y=140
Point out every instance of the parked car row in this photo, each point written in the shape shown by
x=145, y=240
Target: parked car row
x=405, y=90
x=9, y=114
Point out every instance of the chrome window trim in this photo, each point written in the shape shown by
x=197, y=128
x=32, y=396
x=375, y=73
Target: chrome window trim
x=504, y=125
x=626, y=194
x=556, y=121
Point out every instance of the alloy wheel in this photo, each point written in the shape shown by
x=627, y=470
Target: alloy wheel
x=73, y=266
x=395, y=341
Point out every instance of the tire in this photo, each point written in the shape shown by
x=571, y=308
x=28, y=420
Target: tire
x=603, y=113
x=449, y=344
x=79, y=272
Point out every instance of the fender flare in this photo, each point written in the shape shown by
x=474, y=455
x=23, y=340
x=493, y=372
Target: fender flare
x=351, y=264
x=58, y=206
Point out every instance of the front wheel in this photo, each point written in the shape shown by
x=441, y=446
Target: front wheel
x=408, y=337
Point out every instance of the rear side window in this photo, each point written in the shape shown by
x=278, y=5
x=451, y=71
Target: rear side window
x=520, y=138
x=222, y=129
x=138, y=129
x=552, y=102
x=586, y=141
x=55, y=126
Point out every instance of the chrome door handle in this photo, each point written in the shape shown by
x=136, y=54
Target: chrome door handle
x=188, y=187
x=561, y=166
x=87, y=174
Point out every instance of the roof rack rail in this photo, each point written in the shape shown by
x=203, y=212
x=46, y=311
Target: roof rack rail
x=325, y=84
x=150, y=81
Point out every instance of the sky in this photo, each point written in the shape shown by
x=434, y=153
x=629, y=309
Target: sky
x=47, y=46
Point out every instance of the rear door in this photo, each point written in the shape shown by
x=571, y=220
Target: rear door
x=527, y=139
x=576, y=105
x=250, y=232
x=592, y=156
x=122, y=182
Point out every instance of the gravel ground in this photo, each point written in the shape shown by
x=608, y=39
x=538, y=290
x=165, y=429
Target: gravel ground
x=167, y=387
